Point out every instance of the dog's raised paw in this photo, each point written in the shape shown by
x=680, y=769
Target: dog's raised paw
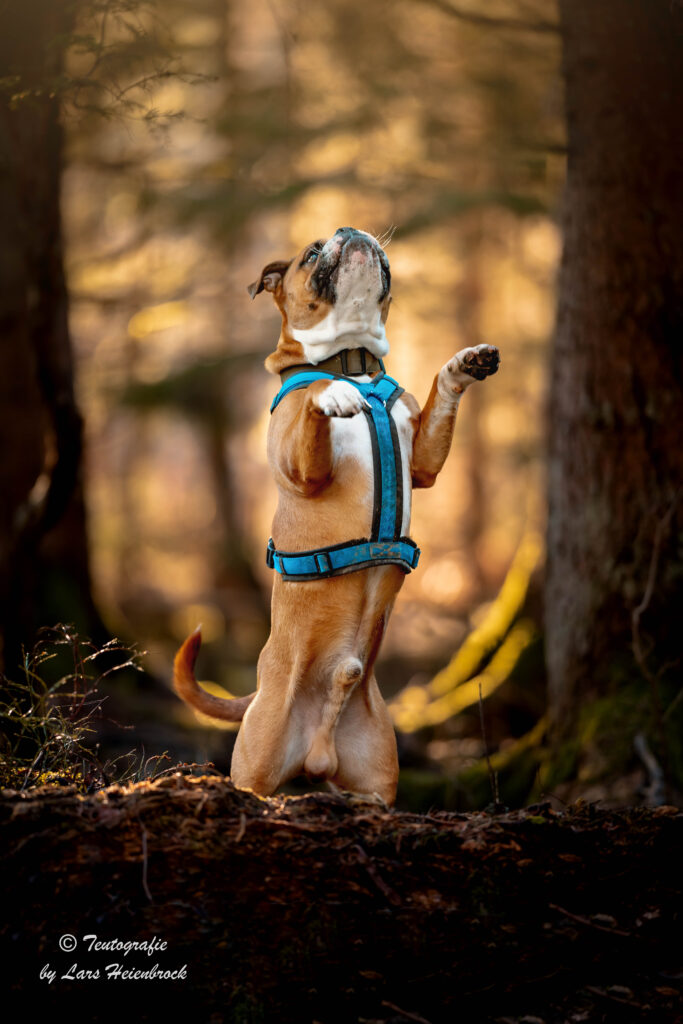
x=341, y=399
x=470, y=364
x=479, y=362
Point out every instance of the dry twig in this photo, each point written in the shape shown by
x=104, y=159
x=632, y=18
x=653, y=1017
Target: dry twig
x=661, y=530
x=405, y=1013
x=588, y=923
x=144, y=864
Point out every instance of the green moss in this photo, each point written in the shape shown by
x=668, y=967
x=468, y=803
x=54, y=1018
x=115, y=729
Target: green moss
x=601, y=747
x=516, y=774
x=419, y=790
x=559, y=765
x=516, y=769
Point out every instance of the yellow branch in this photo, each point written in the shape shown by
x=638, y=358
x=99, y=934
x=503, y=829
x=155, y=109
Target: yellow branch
x=413, y=710
x=454, y=687
x=497, y=622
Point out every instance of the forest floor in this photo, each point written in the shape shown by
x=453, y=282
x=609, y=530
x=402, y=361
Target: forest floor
x=327, y=909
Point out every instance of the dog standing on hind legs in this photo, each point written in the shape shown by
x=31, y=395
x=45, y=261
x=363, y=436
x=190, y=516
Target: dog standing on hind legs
x=346, y=445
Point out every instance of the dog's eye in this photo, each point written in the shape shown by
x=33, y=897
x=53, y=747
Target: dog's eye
x=312, y=257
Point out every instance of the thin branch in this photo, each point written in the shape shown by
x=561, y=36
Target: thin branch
x=516, y=24
x=661, y=530
x=36, y=759
x=655, y=791
x=144, y=864
x=243, y=827
x=374, y=874
x=614, y=998
x=405, y=1013
x=493, y=776
x=588, y=923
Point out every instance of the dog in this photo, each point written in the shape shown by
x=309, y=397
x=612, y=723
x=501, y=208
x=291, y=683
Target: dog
x=346, y=447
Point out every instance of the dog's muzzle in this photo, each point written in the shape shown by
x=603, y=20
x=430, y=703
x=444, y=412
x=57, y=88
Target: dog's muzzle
x=336, y=252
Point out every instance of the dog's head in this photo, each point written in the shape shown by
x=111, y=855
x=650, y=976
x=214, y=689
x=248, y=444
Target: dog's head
x=333, y=295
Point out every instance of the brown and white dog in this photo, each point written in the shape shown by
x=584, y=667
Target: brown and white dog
x=317, y=708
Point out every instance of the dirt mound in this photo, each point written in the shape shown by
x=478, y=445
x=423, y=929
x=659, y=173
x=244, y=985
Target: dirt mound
x=325, y=909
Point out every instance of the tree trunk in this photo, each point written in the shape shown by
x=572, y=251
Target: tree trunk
x=43, y=554
x=615, y=570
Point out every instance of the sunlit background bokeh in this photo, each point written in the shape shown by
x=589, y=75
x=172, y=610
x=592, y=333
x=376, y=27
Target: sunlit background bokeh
x=288, y=120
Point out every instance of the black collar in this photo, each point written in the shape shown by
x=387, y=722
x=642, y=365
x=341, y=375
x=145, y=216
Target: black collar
x=351, y=362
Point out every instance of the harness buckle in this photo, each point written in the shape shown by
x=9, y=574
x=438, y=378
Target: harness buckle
x=358, y=357
x=322, y=561
x=270, y=554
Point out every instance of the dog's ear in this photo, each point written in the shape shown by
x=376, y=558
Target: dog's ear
x=270, y=278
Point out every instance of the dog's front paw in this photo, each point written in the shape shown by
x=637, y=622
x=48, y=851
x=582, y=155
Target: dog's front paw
x=340, y=399
x=468, y=365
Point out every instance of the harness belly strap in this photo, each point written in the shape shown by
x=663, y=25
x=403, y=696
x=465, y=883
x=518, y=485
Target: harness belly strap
x=385, y=546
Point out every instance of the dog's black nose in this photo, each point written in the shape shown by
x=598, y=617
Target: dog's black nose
x=346, y=231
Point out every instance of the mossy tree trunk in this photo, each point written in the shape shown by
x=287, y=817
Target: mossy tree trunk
x=615, y=561
x=43, y=553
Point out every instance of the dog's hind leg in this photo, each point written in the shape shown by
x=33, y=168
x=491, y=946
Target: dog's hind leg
x=367, y=759
x=321, y=759
x=270, y=746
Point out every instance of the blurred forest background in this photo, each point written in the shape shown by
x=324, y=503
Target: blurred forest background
x=155, y=157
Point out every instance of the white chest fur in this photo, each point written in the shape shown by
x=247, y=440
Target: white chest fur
x=351, y=441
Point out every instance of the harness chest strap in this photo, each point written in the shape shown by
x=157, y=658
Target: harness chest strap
x=385, y=544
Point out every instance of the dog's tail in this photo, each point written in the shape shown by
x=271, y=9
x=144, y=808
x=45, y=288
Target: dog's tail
x=186, y=686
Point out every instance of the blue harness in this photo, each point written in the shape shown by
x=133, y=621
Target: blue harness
x=385, y=546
